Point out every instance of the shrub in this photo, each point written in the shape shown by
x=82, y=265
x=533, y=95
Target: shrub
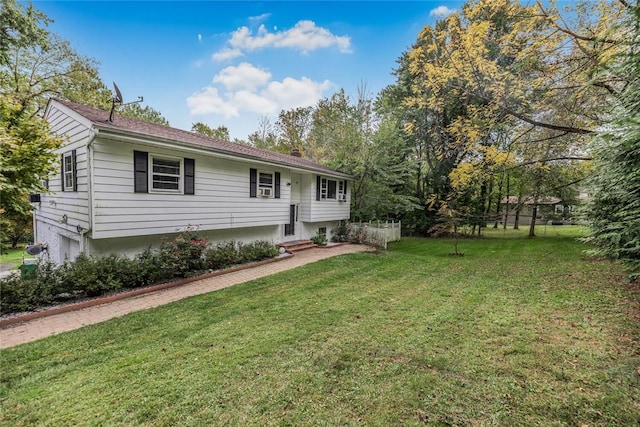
x=97, y=275
x=23, y=295
x=183, y=255
x=340, y=233
x=50, y=275
x=256, y=251
x=149, y=268
x=222, y=256
x=94, y=276
x=319, y=239
x=356, y=233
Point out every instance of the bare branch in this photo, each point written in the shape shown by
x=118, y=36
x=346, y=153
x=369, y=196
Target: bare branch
x=569, y=129
x=532, y=162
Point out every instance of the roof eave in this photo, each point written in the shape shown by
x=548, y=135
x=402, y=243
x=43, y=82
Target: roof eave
x=138, y=137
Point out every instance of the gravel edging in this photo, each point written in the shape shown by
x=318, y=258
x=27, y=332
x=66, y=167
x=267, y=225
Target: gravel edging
x=65, y=308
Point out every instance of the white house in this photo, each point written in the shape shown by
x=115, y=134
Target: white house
x=125, y=184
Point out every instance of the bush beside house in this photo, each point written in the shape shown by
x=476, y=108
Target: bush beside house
x=184, y=256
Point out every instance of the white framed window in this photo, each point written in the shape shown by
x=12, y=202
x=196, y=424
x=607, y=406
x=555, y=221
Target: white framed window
x=342, y=194
x=328, y=189
x=166, y=174
x=68, y=171
x=265, y=184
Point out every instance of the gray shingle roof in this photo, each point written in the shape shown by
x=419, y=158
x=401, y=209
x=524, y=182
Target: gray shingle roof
x=100, y=119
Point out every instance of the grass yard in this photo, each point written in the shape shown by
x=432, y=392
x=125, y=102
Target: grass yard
x=517, y=332
x=13, y=258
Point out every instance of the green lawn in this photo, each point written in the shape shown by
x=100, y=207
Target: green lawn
x=518, y=332
x=14, y=256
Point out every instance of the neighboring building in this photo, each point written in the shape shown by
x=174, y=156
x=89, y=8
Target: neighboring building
x=125, y=184
x=548, y=207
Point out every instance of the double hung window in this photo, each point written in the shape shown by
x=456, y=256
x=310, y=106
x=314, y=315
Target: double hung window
x=331, y=189
x=161, y=174
x=166, y=174
x=264, y=184
x=69, y=171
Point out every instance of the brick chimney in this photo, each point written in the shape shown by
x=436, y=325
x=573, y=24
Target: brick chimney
x=296, y=153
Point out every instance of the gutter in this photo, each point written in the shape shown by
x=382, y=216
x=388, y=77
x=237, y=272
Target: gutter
x=120, y=135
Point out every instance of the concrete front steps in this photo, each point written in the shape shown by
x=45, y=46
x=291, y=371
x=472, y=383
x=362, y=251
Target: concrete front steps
x=297, y=245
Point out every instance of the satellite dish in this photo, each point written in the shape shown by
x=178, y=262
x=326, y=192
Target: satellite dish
x=35, y=249
x=115, y=100
x=118, y=97
x=119, y=100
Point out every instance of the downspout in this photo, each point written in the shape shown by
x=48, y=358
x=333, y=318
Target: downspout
x=90, y=177
x=35, y=228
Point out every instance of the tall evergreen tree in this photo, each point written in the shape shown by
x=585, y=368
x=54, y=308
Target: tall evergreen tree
x=614, y=211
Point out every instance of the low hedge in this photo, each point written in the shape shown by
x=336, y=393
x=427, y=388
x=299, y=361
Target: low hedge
x=184, y=256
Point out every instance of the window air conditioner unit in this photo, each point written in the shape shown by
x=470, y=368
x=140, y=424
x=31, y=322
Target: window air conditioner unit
x=342, y=197
x=264, y=192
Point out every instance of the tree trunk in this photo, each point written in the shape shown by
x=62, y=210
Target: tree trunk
x=519, y=207
x=506, y=209
x=534, y=216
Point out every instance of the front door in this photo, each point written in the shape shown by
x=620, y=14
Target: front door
x=290, y=229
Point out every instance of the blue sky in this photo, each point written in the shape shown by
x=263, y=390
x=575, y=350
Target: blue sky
x=229, y=63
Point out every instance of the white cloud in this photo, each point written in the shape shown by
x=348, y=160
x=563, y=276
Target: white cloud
x=248, y=89
x=245, y=100
x=305, y=36
x=244, y=76
x=208, y=101
x=259, y=18
x=199, y=37
x=292, y=93
x=226, y=54
x=441, y=12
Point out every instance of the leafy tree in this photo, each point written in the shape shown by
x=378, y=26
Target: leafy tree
x=293, y=128
x=221, y=132
x=265, y=137
x=20, y=28
x=146, y=113
x=38, y=72
x=614, y=211
x=494, y=81
x=26, y=159
x=16, y=227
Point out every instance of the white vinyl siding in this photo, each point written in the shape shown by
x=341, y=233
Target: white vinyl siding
x=327, y=208
x=58, y=203
x=221, y=186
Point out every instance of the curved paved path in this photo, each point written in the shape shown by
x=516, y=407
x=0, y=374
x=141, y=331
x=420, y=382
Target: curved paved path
x=50, y=325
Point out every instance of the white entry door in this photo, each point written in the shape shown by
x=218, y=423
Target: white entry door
x=292, y=229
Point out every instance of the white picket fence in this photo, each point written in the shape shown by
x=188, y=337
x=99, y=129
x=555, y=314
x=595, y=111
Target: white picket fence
x=377, y=233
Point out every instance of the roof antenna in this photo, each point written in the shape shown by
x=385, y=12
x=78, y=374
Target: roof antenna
x=118, y=100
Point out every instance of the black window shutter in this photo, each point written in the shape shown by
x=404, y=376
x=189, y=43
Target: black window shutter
x=344, y=188
x=141, y=171
x=253, y=182
x=62, y=172
x=75, y=170
x=277, y=185
x=189, y=176
x=318, y=187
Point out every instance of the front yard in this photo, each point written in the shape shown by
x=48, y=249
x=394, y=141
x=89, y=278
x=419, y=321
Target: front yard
x=517, y=332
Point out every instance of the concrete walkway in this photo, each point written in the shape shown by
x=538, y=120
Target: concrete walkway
x=50, y=325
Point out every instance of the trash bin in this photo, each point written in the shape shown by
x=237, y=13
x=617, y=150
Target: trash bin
x=28, y=271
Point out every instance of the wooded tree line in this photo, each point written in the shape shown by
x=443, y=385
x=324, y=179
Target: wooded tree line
x=501, y=98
